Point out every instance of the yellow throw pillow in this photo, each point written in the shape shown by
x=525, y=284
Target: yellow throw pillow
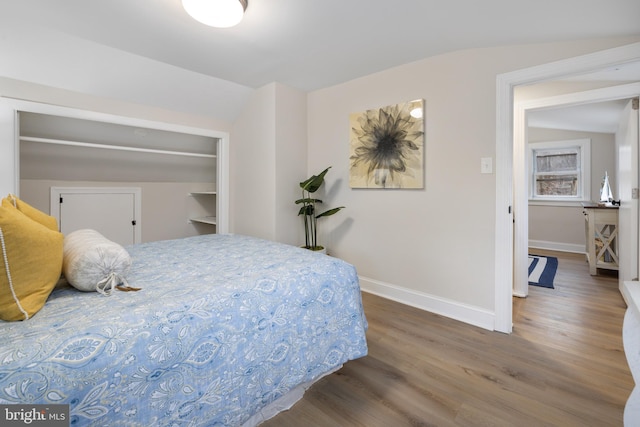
x=33, y=213
x=30, y=263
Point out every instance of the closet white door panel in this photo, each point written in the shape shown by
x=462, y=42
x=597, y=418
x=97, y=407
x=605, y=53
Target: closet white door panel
x=114, y=214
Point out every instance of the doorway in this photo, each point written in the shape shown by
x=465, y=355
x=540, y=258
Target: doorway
x=521, y=180
x=506, y=184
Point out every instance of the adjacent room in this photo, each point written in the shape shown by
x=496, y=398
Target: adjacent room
x=321, y=213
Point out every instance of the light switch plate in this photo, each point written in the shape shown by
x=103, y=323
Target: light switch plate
x=486, y=165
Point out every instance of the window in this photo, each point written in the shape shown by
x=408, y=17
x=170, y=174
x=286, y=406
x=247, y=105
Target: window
x=559, y=170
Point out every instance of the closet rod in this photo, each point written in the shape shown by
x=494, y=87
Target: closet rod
x=113, y=147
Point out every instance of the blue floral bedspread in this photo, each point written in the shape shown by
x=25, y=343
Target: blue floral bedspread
x=223, y=326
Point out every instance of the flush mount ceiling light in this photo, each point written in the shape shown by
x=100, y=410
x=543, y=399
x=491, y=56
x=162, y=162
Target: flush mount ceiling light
x=216, y=13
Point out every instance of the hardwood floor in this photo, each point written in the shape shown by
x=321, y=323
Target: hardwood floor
x=563, y=365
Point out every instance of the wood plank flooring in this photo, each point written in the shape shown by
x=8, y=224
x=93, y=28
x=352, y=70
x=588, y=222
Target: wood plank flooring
x=563, y=365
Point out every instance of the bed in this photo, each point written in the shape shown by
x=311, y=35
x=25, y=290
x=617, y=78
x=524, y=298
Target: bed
x=225, y=330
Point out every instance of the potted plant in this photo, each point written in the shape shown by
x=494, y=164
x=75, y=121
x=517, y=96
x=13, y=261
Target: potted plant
x=308, y=210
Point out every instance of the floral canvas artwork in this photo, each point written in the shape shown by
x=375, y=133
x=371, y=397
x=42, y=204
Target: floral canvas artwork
x=387, y=147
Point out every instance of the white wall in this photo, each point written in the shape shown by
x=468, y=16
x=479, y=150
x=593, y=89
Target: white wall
x=291, y=162
x=57, y=60
x=252, y=166
x=434, y=247
x=268, y=160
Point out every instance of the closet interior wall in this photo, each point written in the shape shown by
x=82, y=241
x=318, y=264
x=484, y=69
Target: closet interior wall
x=169, y=167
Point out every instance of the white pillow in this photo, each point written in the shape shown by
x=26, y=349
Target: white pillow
x=91, y=262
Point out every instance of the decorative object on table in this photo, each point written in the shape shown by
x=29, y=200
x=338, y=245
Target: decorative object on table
x=308, y=210
x=542, y=270
x=387, y=147
x=606, y=196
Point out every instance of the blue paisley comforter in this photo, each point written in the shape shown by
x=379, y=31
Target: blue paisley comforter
x=223, y=326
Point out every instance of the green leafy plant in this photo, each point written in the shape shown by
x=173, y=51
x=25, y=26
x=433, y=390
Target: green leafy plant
x=308, y=209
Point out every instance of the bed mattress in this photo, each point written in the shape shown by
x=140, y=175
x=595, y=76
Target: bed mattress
x=223, y=326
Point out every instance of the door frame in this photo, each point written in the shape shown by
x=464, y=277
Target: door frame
x=505, y=215
x=521, y=178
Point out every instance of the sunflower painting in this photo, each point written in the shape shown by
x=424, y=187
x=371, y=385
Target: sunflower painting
x=387, y=147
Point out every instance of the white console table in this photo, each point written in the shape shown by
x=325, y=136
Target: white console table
x=601, y=232
x=631, y=341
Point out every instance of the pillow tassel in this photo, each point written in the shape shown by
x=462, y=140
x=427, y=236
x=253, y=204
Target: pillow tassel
x=114, y=280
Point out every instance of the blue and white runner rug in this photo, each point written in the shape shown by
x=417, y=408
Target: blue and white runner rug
x=542, y=270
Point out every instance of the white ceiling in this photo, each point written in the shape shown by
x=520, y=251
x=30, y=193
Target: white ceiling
x=601, y=117
x=310, y=44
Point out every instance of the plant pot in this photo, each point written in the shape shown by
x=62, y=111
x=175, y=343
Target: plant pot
x=320, y=249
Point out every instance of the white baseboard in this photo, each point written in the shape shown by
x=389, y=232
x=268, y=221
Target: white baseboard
x=555, y=246
x=465, y=313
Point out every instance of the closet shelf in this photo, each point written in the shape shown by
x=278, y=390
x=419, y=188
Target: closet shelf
x=205, y=220
x=113, y=147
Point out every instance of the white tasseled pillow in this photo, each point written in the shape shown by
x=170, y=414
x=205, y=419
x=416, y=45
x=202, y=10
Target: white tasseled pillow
x=92, y=262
